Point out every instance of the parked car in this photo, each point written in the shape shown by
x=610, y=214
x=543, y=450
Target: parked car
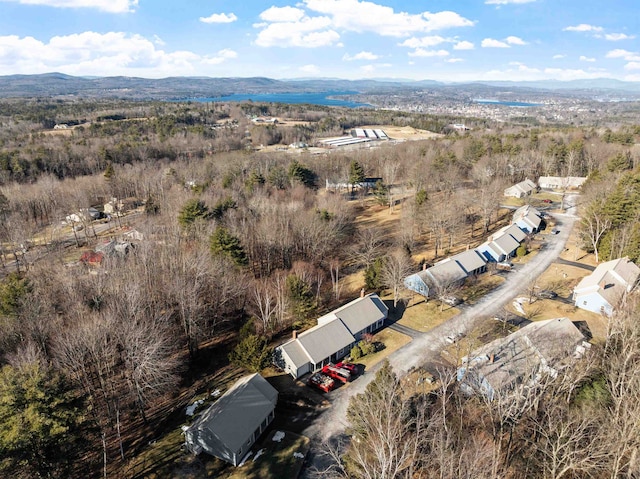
x=555, y=231
x=321, y=382
x=454, y=338
x=504, y=266
x=451, y=300
x=352, y=368
x=547, y=201
x=546, y=294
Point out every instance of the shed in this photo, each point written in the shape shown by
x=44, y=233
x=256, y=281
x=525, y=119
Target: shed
x=231, y=425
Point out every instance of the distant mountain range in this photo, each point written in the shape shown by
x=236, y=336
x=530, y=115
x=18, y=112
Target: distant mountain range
x=61, y=85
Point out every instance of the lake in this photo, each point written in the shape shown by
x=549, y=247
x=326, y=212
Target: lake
x=506, y=103
x=321, y=98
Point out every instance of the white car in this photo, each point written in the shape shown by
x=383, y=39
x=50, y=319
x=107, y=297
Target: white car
x=454, y=338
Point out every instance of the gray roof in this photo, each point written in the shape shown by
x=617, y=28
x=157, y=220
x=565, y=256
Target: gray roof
x=362, y=312
x=238, y=413
x=611, y=280
x=296, y=353
x=470, y=260
x=515, y=231
x=507, y=243
x=446, y=271
x=528, y=213
x=323, y=340
x=518, y=356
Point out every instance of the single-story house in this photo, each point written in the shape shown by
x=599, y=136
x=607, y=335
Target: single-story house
x=604, y=289
x=471, y=261
x=361, y=316
x=522, y=189
x=513, y=230
x=232, y=424
x=504, y=365
x=333, y=337
x=528, y=219
x=499, y=247
x=443, y=273
x=561, y=182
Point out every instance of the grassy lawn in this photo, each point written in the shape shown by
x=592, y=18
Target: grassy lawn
x=484, y=284
x=392, y=341
x=422, y=315
x=276, y=459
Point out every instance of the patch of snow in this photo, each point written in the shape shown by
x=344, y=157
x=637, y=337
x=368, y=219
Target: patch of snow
x=184, y=428
x=298, y=455
x=245, y=459
x=191, y=409
x=216, y=393
x=517, y=303
x=258, y=454
x=278, y=436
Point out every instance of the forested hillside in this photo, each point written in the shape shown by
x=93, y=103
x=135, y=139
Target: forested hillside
x=236, y=247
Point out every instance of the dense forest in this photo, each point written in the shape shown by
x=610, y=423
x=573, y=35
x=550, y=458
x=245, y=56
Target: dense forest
x=241, y=246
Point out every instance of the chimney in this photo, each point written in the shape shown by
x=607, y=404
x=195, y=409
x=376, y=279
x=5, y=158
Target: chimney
x=362, y=293
x=424, y=266
x=492, y=358
x=294, y=334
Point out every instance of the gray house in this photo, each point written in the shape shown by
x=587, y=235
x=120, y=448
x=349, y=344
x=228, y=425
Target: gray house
x=520, y=359
x=333, y=337
x=231, y=425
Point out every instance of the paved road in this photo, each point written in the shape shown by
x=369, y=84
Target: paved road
x=425, y=348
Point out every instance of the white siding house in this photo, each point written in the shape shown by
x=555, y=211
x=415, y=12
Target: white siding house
x=333, y=337
x=604, y=289
x=522, y=189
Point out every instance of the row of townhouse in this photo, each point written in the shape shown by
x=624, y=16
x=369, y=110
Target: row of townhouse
x=498, y=247
x=527, y=187
x=333, y=337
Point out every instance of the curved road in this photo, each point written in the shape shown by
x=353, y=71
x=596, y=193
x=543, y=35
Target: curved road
x=426, y=347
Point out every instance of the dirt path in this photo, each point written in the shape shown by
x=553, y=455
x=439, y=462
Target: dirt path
x=425, y=349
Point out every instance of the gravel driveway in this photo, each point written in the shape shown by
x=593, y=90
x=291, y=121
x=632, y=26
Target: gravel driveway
x=426, y=348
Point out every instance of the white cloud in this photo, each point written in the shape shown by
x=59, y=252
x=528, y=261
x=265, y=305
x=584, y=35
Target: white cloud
x=428, y=41
x=507, y=2
x=421, y=52
x=108, y=54
x=365, y=16
x=310, y=69
x=109, y=6
x=219, y=18
x=282, y=14
x=360, y=56
x=464, y=45
x=515, y=41
x=491, y=43
x=454, y=60
x=308, y=32
x=616, y=37
x=558, y=57
x=586, y=59
x=627, y=55
x=583, y=27
x=632, y=66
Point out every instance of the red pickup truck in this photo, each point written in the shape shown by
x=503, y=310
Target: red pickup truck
x=341, y=374
x=322, y=382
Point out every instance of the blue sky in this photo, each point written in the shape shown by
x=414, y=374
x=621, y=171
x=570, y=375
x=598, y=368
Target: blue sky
x=440, y=39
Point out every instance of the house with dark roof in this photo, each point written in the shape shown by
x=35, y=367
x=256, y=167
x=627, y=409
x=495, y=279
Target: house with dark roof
x=519, y=360
x=232, y=424
x=333, y=337
x=604, y=289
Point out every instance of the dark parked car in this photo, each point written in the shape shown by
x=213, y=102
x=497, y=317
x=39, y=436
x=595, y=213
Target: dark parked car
x=546, y=294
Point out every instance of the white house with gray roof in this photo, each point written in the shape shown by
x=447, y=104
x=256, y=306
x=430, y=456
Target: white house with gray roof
x=604, y=289
x=528, y=219
x=232, y=424
x=333, y=337
x=522, y=189
x=471, y=261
